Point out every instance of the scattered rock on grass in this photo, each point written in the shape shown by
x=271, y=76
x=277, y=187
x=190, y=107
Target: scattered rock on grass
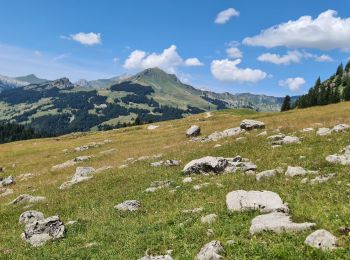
x=251, y=124
x=209, y=219
x=264, y=201
x=277, y=222
x=157, y=185
x=195, y=210
x=321, y=239
x=5, y=192
x=340, y=128
x=24, y=176
x=81, y=174
x=298, y=171
x=282, y=139
x=38, y=232
x=166, y=163
x=157, y=257
x=266, y=174
x=187, y=180
x=210, y=251
x=343, y=159
x=7, y=181
x=323, y=131
x=25, y=198
x=193, y=131
x=128, y=205
x=152, y=127
x=71, y=163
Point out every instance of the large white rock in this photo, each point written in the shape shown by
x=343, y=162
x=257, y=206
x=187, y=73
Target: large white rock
x=211, y=251
x=251, y=124
x=321, y=239
x=194, y=130
x=264, y=201
x=277, y=222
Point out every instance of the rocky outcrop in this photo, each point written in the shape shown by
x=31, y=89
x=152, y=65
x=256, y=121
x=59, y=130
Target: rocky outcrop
x=38, y=232
x=217, y=165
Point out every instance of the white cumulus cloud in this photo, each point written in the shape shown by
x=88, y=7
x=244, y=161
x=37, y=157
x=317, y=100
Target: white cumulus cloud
x=88, y=39
x=324, y=58
x=224, y=16
x=293, y=84
x=290, y=57
x=227, y=70
x=168, y=60
x=327, y=31
x=193, y=62
x=234, y=52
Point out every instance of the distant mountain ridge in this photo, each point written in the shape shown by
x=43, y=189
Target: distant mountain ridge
x=60, y=107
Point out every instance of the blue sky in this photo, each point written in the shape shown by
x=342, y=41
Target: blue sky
x=221, y=45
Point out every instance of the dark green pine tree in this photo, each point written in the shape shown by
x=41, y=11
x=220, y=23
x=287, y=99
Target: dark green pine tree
x=336, y=95
x=287, y=104
x=346, y=91
x=340, y=70
x=347, y=67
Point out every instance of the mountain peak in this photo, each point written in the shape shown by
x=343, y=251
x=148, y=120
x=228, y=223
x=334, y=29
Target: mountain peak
x=156, y=74
x=32, y=79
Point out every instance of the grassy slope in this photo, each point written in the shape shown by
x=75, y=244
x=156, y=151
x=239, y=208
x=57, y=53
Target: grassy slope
x=157, y=226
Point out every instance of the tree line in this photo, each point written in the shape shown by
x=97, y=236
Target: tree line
x=334, y=90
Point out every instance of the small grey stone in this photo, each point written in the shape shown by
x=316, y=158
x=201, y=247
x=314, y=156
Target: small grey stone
x=321, y=239
x=210, y=251
x=128, y=205
x=194, y=130
x=266, y=174
x=25, y=198
x=209, y=219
